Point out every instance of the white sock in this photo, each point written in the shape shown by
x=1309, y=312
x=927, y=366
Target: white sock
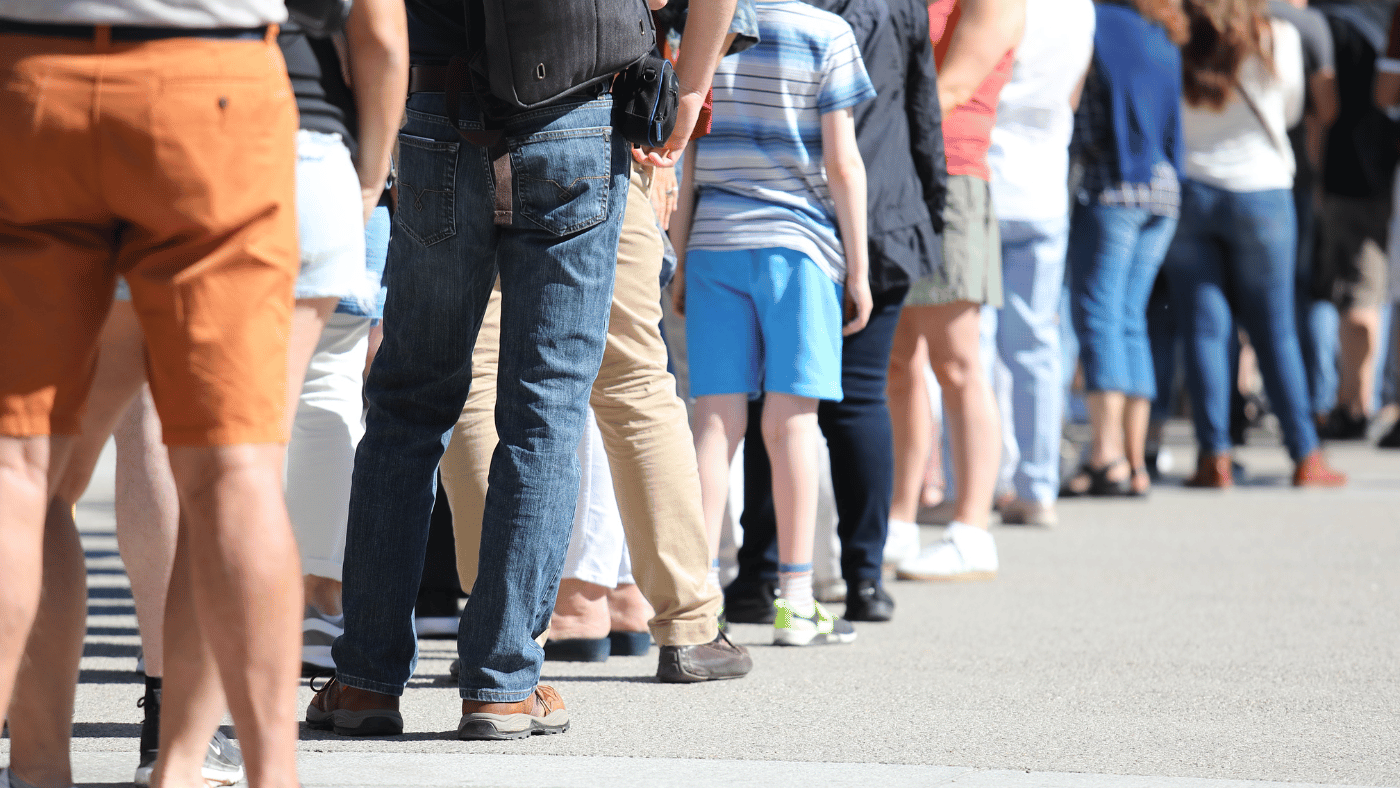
x=795, y=585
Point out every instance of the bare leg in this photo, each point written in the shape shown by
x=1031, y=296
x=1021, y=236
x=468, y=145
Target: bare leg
x=24, y=466
x=42, y=706
x=1360, y=340
x=1137, y=412
x=628, y=610
x=720, y=420
x=580, y=611
x=909, y=411
x=246, y=593
x=969, y=407
x=148, y=520
x=790, y=435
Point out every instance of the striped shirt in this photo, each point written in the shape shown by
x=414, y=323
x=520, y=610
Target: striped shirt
x=760, y=172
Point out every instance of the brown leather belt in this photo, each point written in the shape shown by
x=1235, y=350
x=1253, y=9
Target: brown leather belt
x=427, y=79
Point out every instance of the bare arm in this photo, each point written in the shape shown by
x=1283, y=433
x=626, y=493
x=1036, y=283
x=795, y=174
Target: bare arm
x=845, y=172
x=377, y=35
x=681, y=221
x=704, y=42
x=987, y=31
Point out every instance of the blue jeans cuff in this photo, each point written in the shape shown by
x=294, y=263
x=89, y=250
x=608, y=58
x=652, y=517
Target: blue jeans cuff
x=369, y=685
x=495, y=696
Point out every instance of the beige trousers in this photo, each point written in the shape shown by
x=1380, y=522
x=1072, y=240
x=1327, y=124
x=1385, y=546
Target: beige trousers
x=646, y=432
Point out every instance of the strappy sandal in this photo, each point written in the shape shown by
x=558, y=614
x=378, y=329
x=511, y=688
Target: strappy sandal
x=1100, y=486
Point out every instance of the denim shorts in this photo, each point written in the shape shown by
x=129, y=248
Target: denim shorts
x=762, y=320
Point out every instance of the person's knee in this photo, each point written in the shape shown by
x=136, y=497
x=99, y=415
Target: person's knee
x=954, y=373
x=200, y=471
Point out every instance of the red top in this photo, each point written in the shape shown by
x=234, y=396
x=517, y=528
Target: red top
x=967, y=130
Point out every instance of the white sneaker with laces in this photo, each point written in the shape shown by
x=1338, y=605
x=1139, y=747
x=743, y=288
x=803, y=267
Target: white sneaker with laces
x=901, y=542
x=964, y=553
x=318, y=632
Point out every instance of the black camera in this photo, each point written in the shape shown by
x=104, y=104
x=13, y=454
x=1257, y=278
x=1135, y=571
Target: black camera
x=646, y=97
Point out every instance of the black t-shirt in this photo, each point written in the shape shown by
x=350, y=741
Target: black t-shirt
x=324, y=100
x=1361, y=146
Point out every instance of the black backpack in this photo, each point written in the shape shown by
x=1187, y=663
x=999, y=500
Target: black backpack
x=531, y=53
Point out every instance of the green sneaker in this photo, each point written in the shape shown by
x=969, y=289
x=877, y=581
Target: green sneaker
x=820, y=628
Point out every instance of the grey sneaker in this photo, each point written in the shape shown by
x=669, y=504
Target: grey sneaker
x=223, y=764
x=318, y=632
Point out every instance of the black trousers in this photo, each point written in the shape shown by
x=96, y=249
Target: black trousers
x=861, y=442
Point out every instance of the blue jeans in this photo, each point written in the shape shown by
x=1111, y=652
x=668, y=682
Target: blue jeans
x=1114, y=255
x=1027, y=336
x=1233, y=258
x=556, y=263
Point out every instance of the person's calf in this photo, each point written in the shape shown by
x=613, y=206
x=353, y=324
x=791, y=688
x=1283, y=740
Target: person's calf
x=628, y=609
x=23, y=501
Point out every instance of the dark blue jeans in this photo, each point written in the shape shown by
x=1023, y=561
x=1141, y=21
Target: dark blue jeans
x=1233, y=259
x=861, y=443
x=556, y=262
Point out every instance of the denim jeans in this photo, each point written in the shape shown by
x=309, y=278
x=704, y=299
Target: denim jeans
x=556, y=263
x=1317, y=317
x=1026, y=332
x=1114, y=254
x=1233, y=258
x=860, y=440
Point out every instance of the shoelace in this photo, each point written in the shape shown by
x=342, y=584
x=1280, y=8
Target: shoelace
x=329, y=675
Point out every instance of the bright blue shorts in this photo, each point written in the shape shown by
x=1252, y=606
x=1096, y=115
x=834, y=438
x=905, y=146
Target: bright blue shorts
x=762, y=320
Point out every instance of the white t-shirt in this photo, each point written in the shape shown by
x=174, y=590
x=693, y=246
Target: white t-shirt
x=1231, y=149
x=1029, y=156
x=155, y=13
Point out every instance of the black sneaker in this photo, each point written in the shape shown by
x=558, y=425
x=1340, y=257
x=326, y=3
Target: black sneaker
x=867, y=600
x=1343, y=426
x=1391, y=440
x=747, y=604
x=718, y=659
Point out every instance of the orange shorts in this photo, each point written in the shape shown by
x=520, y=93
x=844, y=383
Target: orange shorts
x=173, y=163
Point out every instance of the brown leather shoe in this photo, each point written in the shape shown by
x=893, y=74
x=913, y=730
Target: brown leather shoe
x=354, y=712
x=543, y=713
x=1313, y=471
x=721, y=658
x=1212, y=472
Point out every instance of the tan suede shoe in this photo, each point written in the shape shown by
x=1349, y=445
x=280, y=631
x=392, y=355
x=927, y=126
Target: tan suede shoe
x=543, y=713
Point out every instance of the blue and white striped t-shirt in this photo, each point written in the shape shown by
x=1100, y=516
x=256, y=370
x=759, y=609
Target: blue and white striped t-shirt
x=759, y=171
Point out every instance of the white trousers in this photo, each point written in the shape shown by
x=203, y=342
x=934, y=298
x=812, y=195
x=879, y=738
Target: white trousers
x=329, y=424
x=598, y=548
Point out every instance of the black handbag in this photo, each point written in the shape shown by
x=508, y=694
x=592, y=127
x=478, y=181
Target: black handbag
x=645, y=99
x=319, y=18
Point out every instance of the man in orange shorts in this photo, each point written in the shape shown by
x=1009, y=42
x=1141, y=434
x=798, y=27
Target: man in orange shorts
x=155, y=139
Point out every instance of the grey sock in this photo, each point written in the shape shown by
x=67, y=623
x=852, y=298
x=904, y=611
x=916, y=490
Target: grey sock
x=15, y=781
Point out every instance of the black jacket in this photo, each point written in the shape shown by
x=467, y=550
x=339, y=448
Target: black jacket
x=900, y=134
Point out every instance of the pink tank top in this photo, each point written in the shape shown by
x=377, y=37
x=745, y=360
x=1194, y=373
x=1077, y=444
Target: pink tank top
x=967, y=131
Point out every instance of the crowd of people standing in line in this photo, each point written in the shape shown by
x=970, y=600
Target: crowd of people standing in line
x=886, y=217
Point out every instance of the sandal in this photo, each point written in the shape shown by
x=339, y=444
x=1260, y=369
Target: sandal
x=1100, y=486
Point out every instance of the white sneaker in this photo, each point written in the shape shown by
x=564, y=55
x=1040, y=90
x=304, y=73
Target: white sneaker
x=964, y=553
x=901, y=542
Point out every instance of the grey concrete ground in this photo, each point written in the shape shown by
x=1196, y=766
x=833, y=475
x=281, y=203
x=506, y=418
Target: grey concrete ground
x=1196, y=640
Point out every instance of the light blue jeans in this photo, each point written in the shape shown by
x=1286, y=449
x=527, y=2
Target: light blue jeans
x=556, y=259
x=1026, y=337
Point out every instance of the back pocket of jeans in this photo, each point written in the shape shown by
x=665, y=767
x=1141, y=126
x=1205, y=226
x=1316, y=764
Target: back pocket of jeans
x=427, y=200
x=562, y=178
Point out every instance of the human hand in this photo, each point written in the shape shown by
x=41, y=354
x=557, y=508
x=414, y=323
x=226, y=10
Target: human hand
x=664, y=194
x=678, y=292
x=858, y=305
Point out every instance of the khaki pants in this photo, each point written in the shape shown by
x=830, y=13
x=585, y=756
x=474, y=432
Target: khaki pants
x=646, y=432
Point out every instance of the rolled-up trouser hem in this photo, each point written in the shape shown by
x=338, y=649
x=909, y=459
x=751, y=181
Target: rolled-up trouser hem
x=685, y=633
x=368, y=685
x=496, y=696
